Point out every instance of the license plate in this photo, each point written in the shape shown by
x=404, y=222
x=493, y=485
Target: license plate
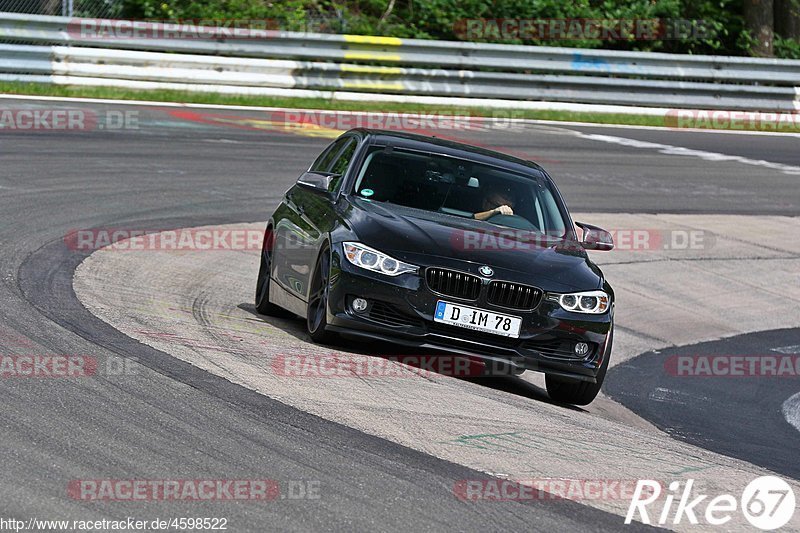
x=477, y=319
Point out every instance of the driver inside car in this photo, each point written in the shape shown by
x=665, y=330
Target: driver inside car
x=496, y=203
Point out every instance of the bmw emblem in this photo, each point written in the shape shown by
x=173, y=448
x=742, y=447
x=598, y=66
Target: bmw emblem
x=486, y=271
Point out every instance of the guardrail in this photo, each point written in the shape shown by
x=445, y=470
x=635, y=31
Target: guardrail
x=320, y=65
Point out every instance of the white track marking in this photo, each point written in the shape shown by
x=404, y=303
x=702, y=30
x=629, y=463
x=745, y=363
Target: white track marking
x=794, y=349
x=791, y=410
x=669, y=149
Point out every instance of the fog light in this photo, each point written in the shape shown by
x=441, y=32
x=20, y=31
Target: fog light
x=581, y=348
x=359, y=305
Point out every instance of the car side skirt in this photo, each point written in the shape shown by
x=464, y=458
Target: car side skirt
x=283, y=298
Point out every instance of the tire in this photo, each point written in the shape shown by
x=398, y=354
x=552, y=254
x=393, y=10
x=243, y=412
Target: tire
x=263, y=305
x=564, y=390
x=317, y=308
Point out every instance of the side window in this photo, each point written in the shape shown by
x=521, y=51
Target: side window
x=324, y=160
x=342, y=162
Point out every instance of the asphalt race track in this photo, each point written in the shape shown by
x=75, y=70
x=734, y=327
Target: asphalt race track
x=709, y=411
x=198, y=401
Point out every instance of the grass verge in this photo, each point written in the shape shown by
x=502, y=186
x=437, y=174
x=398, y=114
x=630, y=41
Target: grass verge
x=162, y=95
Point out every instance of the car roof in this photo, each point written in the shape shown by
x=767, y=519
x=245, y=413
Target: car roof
x=416, y=141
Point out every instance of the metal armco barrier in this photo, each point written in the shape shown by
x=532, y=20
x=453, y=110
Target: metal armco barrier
x=70, y=51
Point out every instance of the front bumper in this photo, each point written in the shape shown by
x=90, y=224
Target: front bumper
x=401, y=312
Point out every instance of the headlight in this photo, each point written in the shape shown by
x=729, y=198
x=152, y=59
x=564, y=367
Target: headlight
x=590, y=302
x=371, y=259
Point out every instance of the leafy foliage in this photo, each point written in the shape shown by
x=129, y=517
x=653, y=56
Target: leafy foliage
x=719, y=24
x=787, y=48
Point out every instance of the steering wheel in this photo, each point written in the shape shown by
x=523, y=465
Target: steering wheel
x=512, y=221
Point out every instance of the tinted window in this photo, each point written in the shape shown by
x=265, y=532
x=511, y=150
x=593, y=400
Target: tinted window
x=459, y=187
x=342, y=162
x=325, y=159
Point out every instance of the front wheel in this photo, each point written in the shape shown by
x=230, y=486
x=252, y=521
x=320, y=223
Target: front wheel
x=317, y=312
x=565, y=390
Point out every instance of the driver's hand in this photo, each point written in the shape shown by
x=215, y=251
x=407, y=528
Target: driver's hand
x=504, y=210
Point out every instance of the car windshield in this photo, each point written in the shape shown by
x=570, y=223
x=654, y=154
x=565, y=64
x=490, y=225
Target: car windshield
x=461, y=188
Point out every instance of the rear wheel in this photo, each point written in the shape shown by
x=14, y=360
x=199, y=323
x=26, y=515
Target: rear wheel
x=263, y=305
x=317, y=314
x=565, y=390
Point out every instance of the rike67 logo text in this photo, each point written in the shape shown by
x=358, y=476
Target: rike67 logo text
x=767, y=502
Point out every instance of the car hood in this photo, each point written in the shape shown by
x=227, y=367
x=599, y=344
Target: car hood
x=427, y=238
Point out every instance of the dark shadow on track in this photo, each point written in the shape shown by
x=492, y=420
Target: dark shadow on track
x=738, y=416
x=506, y=383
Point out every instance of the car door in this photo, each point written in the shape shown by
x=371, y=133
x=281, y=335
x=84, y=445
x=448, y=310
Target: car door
x=312, y=213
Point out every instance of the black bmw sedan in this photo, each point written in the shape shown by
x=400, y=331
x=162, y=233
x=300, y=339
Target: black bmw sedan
x=439, y=245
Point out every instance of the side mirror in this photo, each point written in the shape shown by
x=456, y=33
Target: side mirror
x=318, y=181
x=595, y=238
